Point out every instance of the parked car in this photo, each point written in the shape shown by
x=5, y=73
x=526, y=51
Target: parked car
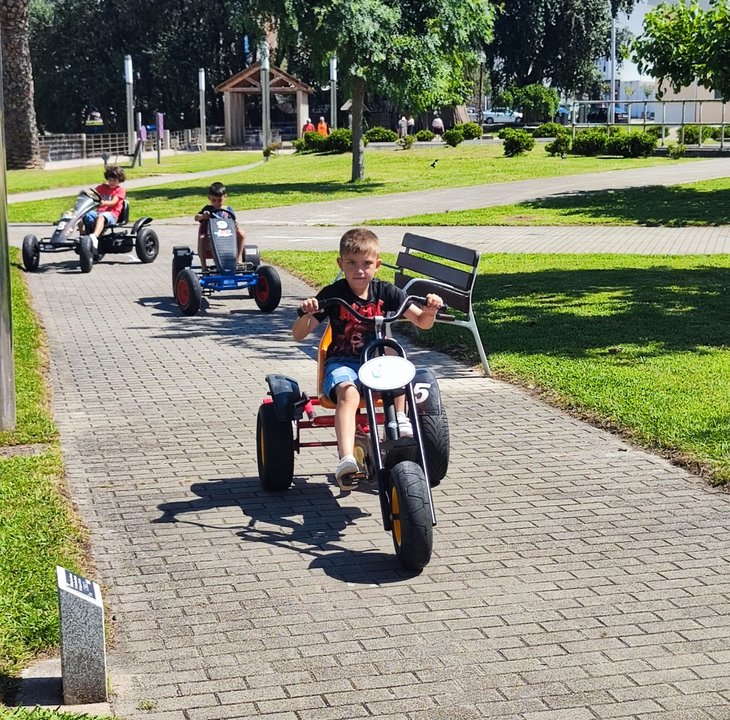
x=502, y=116
x=600, y=115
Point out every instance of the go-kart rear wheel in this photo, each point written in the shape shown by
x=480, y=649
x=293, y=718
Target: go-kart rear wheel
x=410, y=508
x=267, y=292
x=436, y=445
x=188, y=293
x=180, y=262
x=86, y=254
x=274, y=450
x=31, y=253
x=147, y=245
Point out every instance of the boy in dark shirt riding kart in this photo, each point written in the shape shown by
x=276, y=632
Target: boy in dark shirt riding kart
x=359, y=260
x=216, y=196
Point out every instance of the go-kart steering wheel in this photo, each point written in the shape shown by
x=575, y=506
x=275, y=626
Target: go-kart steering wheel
x=91, y=192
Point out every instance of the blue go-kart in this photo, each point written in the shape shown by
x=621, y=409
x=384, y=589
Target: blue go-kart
x=190, y=283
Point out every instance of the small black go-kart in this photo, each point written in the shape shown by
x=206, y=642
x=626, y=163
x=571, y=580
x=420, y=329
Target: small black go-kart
x=190, y=283
x=68, y=235
x=403, y=469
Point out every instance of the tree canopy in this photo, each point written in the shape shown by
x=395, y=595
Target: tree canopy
x=682, y=43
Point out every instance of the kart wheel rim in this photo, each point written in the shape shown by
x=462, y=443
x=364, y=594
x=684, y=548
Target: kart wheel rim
x=183, y=292
x=395, y=513
x=262, y=288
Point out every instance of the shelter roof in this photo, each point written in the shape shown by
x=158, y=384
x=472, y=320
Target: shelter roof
x=248, y=81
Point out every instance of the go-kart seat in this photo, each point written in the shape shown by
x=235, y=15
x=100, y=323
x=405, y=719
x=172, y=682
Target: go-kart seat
x=324, y=399
x=124, y=215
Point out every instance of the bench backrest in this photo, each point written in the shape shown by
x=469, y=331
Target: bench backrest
x=411, y=267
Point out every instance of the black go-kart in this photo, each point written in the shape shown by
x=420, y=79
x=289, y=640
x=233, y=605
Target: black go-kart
x=403, y=469
x=190, y=282
x=115, y=239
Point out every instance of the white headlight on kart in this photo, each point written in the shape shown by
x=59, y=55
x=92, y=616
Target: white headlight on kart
x=388, y=372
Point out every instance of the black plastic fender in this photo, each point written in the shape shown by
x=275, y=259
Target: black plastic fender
x=286, y=396
x=139, y=224
x=426, y=391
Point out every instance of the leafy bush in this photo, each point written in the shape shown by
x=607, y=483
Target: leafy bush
x=617, y=144
x=338, y=141
x=537, y=102
x=406, y=142
x=425, y=136
x=298, y=145
x=381, y=134
x=655, y=131
x=717, y=133
x=641, y=144
x=590, y=142
x=471, y=130
x=550, y=129
x=560, y=145
x=517, y=142
x=454, y=136
x=313, y=140
x=676, y=151
x=690, y=134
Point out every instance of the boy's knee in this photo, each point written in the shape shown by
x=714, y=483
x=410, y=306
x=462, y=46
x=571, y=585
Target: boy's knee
x=347, y=393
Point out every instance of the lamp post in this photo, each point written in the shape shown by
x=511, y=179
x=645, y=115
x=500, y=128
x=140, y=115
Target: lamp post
x=201, y=89
x=129, y=79
x=612, y=95
x=333, y=93
x=265, y=96
x=7, y=363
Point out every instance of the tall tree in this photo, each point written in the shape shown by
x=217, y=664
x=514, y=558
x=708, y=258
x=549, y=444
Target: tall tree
x=419, y=50
x=682, y=43
x=21, y=133
x=553, y=41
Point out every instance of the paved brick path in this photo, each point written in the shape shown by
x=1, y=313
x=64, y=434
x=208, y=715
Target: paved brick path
x=574, y=577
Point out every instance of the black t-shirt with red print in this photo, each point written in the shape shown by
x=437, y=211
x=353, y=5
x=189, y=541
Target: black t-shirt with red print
x=350, y=336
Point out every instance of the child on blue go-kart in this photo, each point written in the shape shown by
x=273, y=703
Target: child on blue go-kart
x=216, y=195
x=359, y=260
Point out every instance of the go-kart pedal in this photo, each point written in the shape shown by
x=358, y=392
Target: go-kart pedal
x=348, y=474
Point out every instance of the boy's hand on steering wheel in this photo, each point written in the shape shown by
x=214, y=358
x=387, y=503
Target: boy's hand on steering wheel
x=309, y=306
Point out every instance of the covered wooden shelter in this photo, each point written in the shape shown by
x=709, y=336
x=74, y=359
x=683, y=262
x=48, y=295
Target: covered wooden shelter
x=247, y=83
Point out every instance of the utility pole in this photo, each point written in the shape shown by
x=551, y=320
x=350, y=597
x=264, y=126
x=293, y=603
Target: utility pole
x=333, y=93
x=7, y=361
x=201, y=88
x=265, y=95
x=612, y=95
x=129, y=79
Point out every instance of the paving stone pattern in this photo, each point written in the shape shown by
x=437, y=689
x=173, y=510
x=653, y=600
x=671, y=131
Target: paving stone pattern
x=574, y=577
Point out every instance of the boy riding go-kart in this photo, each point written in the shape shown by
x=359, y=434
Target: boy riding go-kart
x=190, y=283
x=113, y=239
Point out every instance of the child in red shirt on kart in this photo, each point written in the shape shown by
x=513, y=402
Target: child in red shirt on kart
x=216, y=195
x=359, y=260
x=112, y=196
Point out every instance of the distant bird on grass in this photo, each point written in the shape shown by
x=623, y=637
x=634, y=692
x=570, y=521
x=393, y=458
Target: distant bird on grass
x=433, y=164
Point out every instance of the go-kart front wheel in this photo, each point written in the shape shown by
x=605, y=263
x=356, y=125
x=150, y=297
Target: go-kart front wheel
x=274, y=450
x=436, y=445
x=410, y=508
x=267, y=292
x=86, y=254
x=31, y=253
x=188, y=294
x=147, y=245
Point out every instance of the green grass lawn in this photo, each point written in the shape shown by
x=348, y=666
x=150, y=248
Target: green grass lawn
x=37, y=529
x=701, y=203
x=639, y=344
x=28, y=180
x=295, y=179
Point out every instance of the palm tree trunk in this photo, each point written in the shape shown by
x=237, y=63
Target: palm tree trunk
x=21, y=133
x=358, y=145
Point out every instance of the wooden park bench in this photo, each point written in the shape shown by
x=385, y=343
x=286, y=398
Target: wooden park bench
x=421, y=268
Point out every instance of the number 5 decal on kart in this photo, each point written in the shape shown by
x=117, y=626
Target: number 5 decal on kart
x=421, y=391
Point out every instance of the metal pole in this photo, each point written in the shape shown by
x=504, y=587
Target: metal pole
x=129, y=79
x=612, y=96
x=7, y=361
x=265, y=96
x=333, y=93
x=201, y=89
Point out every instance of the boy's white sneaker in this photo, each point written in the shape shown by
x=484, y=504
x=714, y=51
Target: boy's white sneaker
x=94, y=241
x=405, y=428
x=346, y=467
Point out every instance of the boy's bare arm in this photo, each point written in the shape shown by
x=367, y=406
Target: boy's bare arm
x=425, y=317
x=306, y=323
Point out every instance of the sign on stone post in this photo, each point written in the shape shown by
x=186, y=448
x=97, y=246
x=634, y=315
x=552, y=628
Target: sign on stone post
x=83, y=651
